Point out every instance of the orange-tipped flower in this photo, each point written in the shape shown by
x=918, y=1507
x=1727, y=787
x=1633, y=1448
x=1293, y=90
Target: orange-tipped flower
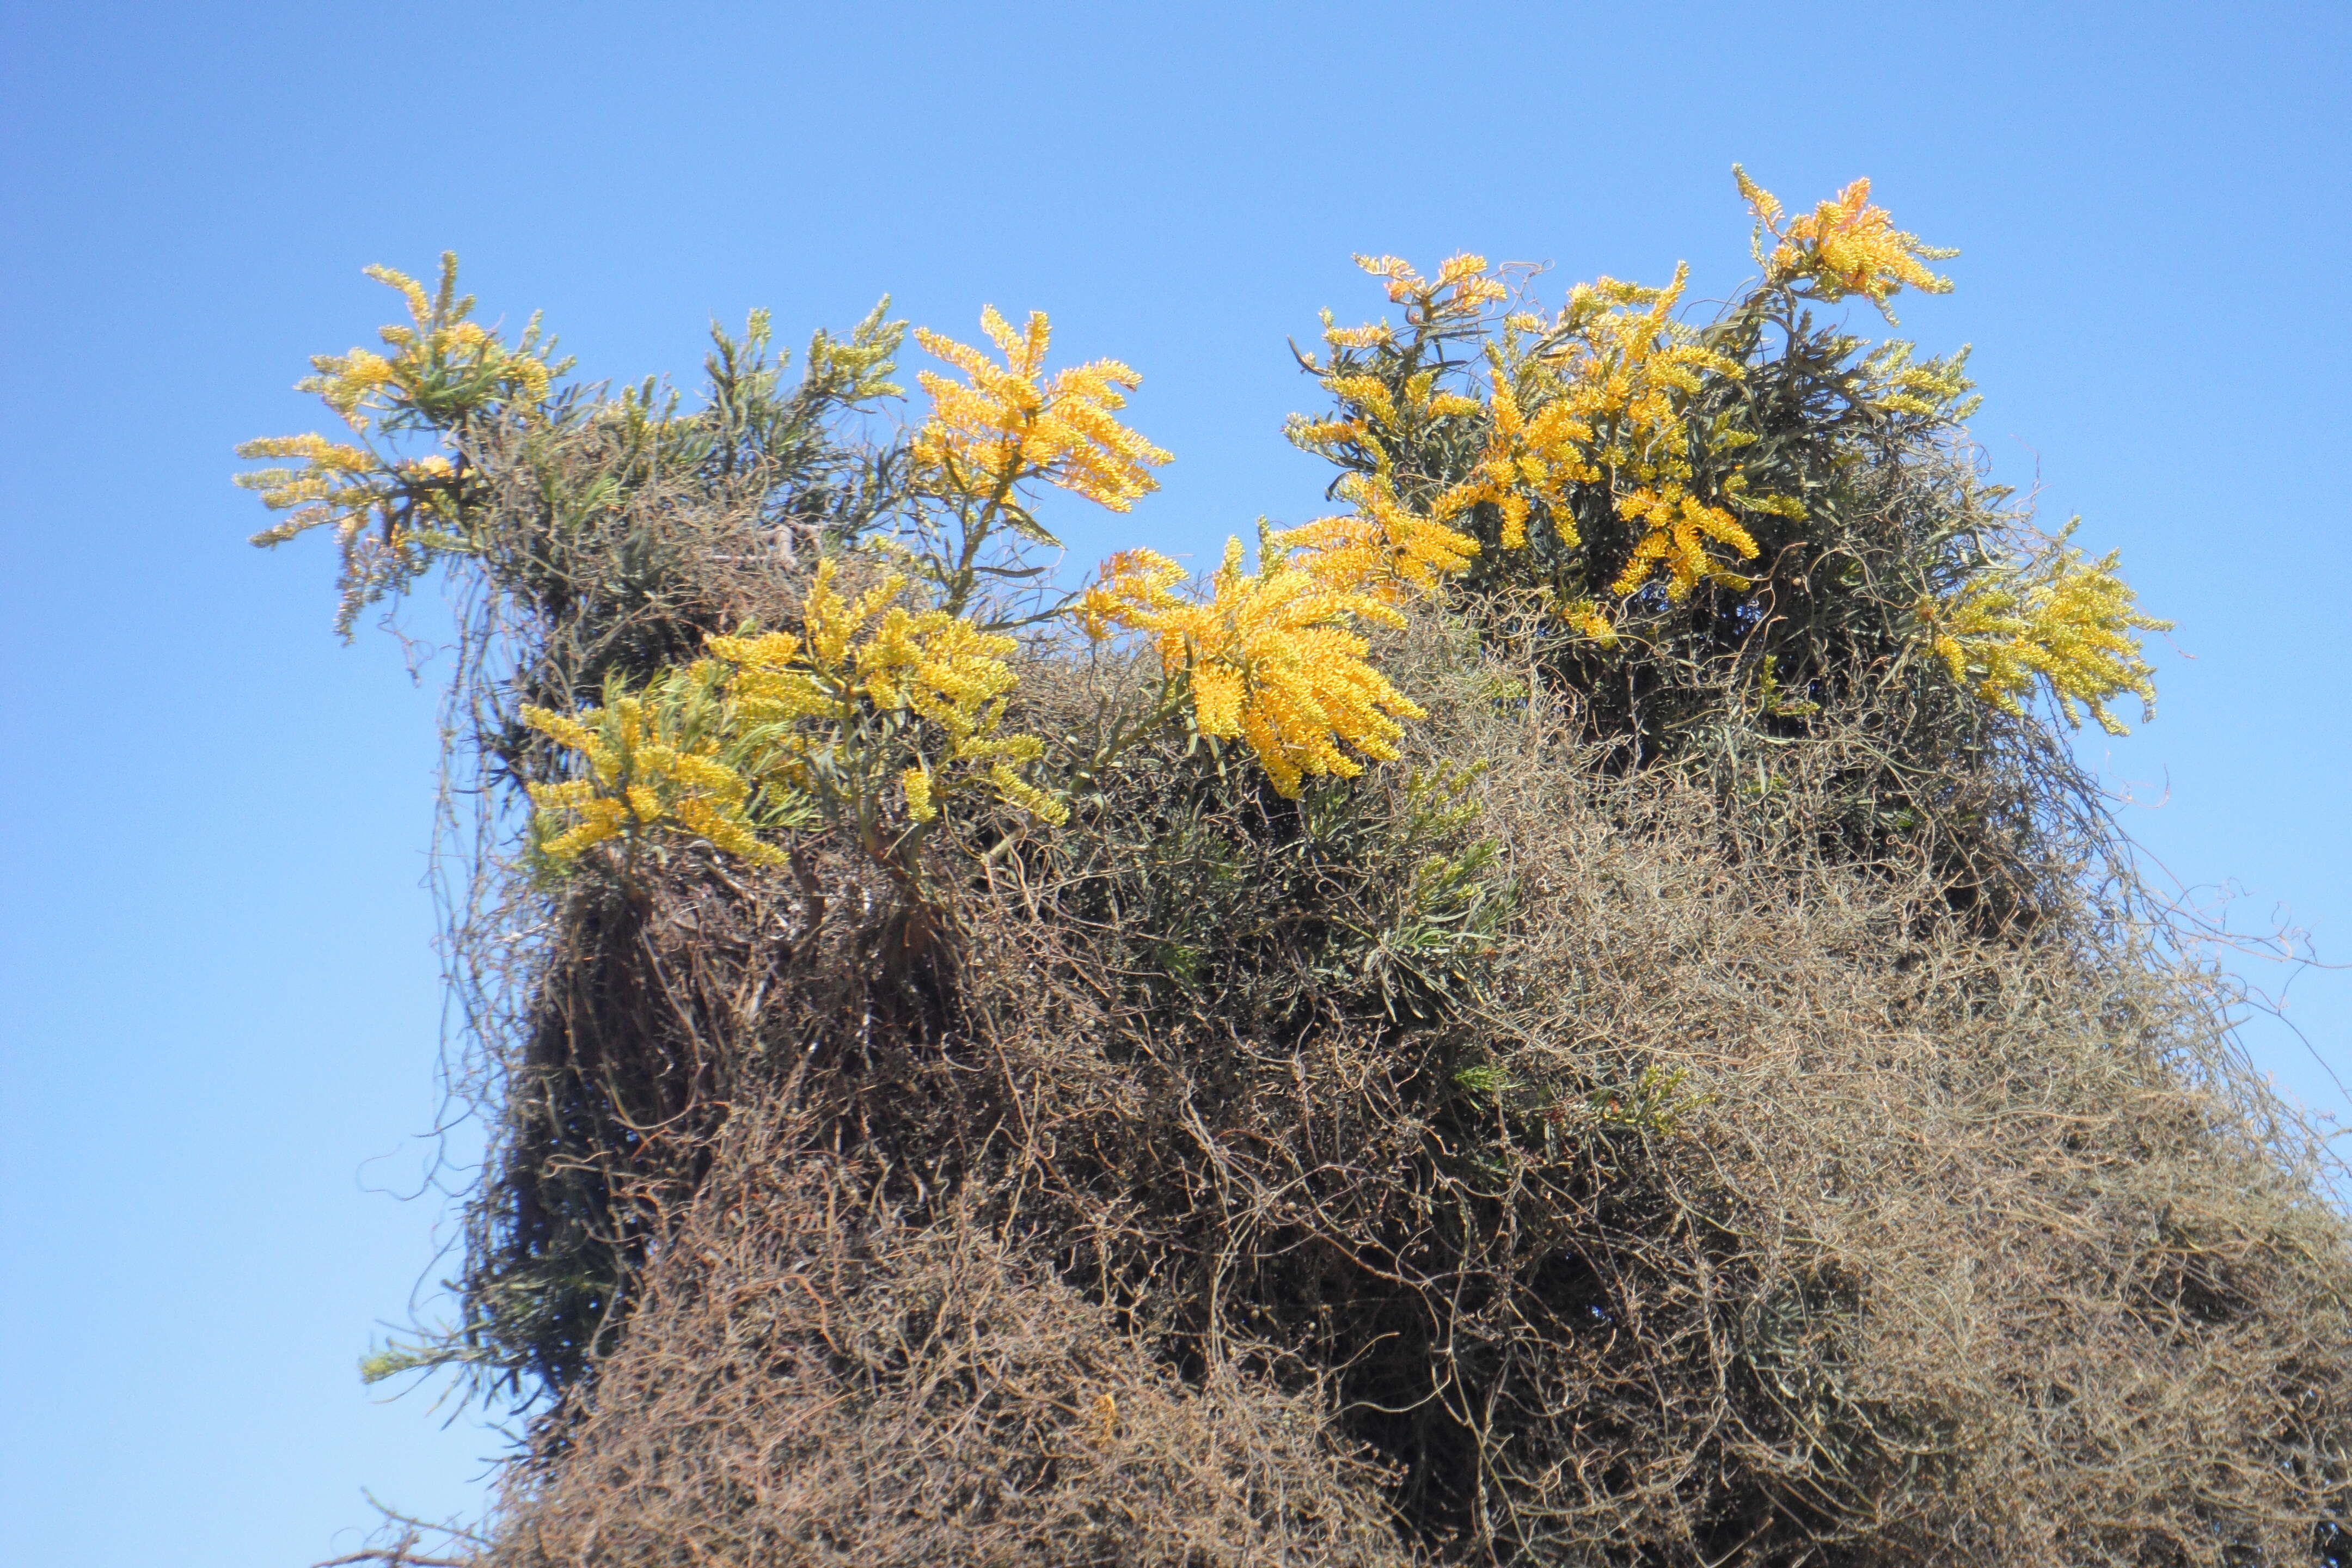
x=1845, y=246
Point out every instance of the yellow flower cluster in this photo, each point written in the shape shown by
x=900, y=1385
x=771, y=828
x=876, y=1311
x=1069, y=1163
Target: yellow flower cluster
x=649, y=762
x=337, y=484
x=1384, y=549
x=1845, y=246
x=1006, y=425
x=1599, y=396
x=1271, y=659
x=2056, y=619
x=1586, y=617
x=1370, y=395
x=443, y=367
x=1627, y=368
x=1455, y=303
x=440, y=358
x=1894, y=382
x=1460, y=292
x=872, y=655
x=1367, y=401
x=388, y=515
x=1528, y=458
x=1679, y=526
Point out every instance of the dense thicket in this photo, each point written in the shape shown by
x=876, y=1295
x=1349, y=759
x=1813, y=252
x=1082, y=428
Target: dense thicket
x=1579, y=1012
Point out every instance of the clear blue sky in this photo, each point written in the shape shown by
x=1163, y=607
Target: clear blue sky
x=221, y=1007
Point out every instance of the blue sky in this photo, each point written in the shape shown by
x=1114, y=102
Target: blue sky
x=221, y=1005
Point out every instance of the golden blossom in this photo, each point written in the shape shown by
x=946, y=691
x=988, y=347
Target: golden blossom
x=1004, y=425
x=1844, y=246
x=1271, y=659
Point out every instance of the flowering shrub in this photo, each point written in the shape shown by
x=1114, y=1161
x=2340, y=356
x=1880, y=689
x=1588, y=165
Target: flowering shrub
x=1673, y=496
x=1451, y=1037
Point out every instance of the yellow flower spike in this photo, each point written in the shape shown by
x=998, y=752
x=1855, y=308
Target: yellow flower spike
x=1325, y=434
x=768, y=648
x=1219, y=691
x=1589, y=619
x=321, y=453
x=714, y=778
x=1000, y=748
x=1678, y=528
x=1368, y=393
x=1516, y=507
x=1598, y=395
x=1046, y=809
x=420, y=304
x=563, y=729
x=916, y=783
x=725, y=831
x=562, y=796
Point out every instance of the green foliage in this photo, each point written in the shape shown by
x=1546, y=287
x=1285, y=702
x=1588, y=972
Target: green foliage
x=1349, y=902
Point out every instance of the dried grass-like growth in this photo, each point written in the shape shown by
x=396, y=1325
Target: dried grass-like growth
x=1760, y=1208
x=822, y=1375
